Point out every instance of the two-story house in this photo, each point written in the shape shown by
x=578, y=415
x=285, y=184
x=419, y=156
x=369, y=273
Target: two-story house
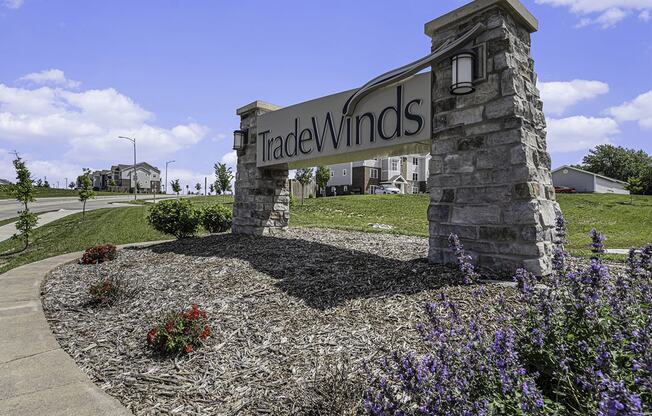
x=121, y=178
x=408, y=173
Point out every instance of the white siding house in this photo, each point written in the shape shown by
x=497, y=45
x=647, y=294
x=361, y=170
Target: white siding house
x=587, y=182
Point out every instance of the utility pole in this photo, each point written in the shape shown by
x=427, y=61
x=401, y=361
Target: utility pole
x=205, y=183
x=166, y=174
x=134, y=175
x=66, y=184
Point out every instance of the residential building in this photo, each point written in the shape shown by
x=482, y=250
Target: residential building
x=120, y=178
x=584, y=181
x=409, y=173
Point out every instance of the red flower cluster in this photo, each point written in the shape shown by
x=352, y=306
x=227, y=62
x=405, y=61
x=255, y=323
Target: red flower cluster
x=99, y=254
x=104, y=291
x=180, y=332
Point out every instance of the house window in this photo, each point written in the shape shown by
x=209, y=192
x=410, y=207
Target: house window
x=332, y=173
x=415, y=176
x=415, y=189
x=343, y=172
x=372, y=189
x=345, y=188
x=415, y=161
x=394, y=164
x=374, y=174
x=332, y=189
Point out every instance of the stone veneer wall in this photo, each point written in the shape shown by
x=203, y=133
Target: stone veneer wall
x=490, y=180
x=262, y=196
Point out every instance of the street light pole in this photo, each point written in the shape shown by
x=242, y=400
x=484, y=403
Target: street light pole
x=166, y=175
x=135, y=175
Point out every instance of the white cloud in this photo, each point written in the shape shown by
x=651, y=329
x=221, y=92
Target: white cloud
x=13, y=4
x=645, y=15
x=87, y=123
x=558, y=96
x=50, y=77
x=231, y=159
x=54, y=170
x=639, y=109
x=579, y=133
x=604, y=13
x=190, y=178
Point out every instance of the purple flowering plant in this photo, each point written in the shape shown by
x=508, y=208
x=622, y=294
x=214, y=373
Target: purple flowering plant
x=577, y=342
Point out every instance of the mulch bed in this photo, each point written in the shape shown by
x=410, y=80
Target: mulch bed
x=292, y=317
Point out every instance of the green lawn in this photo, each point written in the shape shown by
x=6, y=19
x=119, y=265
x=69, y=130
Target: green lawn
x=56, y=192
x=624, y=224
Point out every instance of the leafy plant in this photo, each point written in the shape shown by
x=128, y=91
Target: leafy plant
x=223, y=178
x=99, y=254
x=304, y=176
x=85, y=189
x=466, y=268
x=175, y=217
x=216, y=218
x=597, y=241
x=23, y=191
x=180, y=332
x=176, y=186
x=322, y=176
x=580, y=344
x=106, y=290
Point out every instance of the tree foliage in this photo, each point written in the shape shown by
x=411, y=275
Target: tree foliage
x=322, y=176
x=304, y=176
x=23, y=191
x=85, y=189
x=223, y=178
x=620, y=163
x=176, y=186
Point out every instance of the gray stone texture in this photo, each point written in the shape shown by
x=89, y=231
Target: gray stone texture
x=262, y=196
x=490, y=177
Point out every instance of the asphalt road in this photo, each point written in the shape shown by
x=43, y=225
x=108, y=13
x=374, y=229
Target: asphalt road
x=9, y=207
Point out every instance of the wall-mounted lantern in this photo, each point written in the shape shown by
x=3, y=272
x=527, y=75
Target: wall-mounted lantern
x=462, y=73
x=239, y=137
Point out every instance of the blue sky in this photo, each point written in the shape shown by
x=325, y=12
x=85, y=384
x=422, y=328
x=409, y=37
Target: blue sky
x=75, y=74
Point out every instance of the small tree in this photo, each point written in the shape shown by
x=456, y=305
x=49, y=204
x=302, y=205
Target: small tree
x=304, y=176
x=39, y=183
x=322, y=176
x=23, y=191
x=188, y=189
x=85, y=189
x=198, y=188
x=223, y=178
x=176, y=186
x=634, y=186
x=71, y=185
x=46, y=184
x=211, y=189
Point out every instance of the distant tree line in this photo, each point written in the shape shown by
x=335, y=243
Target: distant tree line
x=628, y=165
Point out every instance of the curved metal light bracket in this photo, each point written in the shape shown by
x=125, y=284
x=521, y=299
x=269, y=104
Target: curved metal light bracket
x=400, y=74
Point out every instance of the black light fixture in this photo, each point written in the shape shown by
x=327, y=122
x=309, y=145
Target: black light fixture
x=463, y=73
x=239, y=137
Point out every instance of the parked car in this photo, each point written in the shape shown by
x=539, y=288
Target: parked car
x=386, y=189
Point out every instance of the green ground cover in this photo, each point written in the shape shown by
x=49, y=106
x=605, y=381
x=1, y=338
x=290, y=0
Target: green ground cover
x=625, y=225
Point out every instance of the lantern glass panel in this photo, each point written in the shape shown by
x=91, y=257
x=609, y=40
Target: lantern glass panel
x=462, y=82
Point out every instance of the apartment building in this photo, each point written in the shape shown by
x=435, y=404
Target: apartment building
x=409, y=173
x=120, y=178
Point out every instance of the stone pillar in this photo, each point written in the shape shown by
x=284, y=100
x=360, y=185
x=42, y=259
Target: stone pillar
x=262, y=199
x=490, y=180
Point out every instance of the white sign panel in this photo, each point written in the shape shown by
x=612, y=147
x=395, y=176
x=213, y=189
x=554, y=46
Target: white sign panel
x=392, y=121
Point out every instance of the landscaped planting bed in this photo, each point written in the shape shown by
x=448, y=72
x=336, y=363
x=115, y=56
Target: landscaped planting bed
x=293, y=318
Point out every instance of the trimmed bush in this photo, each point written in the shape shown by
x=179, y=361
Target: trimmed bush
x=180, y=332
x=176, y=217
x=216, y=218
x=99, y=254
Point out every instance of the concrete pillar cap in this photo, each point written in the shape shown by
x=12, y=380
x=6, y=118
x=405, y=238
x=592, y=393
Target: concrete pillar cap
x=256, y=105
x=515, y=7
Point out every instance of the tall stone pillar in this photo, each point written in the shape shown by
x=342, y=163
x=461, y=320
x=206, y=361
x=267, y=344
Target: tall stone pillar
x=262, y=198
x=490, y=180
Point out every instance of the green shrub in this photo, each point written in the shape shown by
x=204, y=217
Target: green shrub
x=180, y=331
x=107, y=290
x=216, y=218
x=176, y=217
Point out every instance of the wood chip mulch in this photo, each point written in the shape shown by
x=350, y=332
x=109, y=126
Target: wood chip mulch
x=288, y=313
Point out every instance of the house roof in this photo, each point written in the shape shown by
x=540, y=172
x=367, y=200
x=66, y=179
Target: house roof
x=589, y=173
x=138, y=165
x=4, y=182
x=395, y=178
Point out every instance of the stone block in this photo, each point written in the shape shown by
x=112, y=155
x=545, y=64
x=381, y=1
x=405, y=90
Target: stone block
x=502, y=107
x=470, y=214
x=438, y=213
x=466, y=116
x=470, y=143
x=459, y=163
x=500, y=233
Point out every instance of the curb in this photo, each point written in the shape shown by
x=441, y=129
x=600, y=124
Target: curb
x=36, y=375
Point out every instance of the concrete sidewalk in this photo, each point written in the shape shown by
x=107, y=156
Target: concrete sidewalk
x=36, y=376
